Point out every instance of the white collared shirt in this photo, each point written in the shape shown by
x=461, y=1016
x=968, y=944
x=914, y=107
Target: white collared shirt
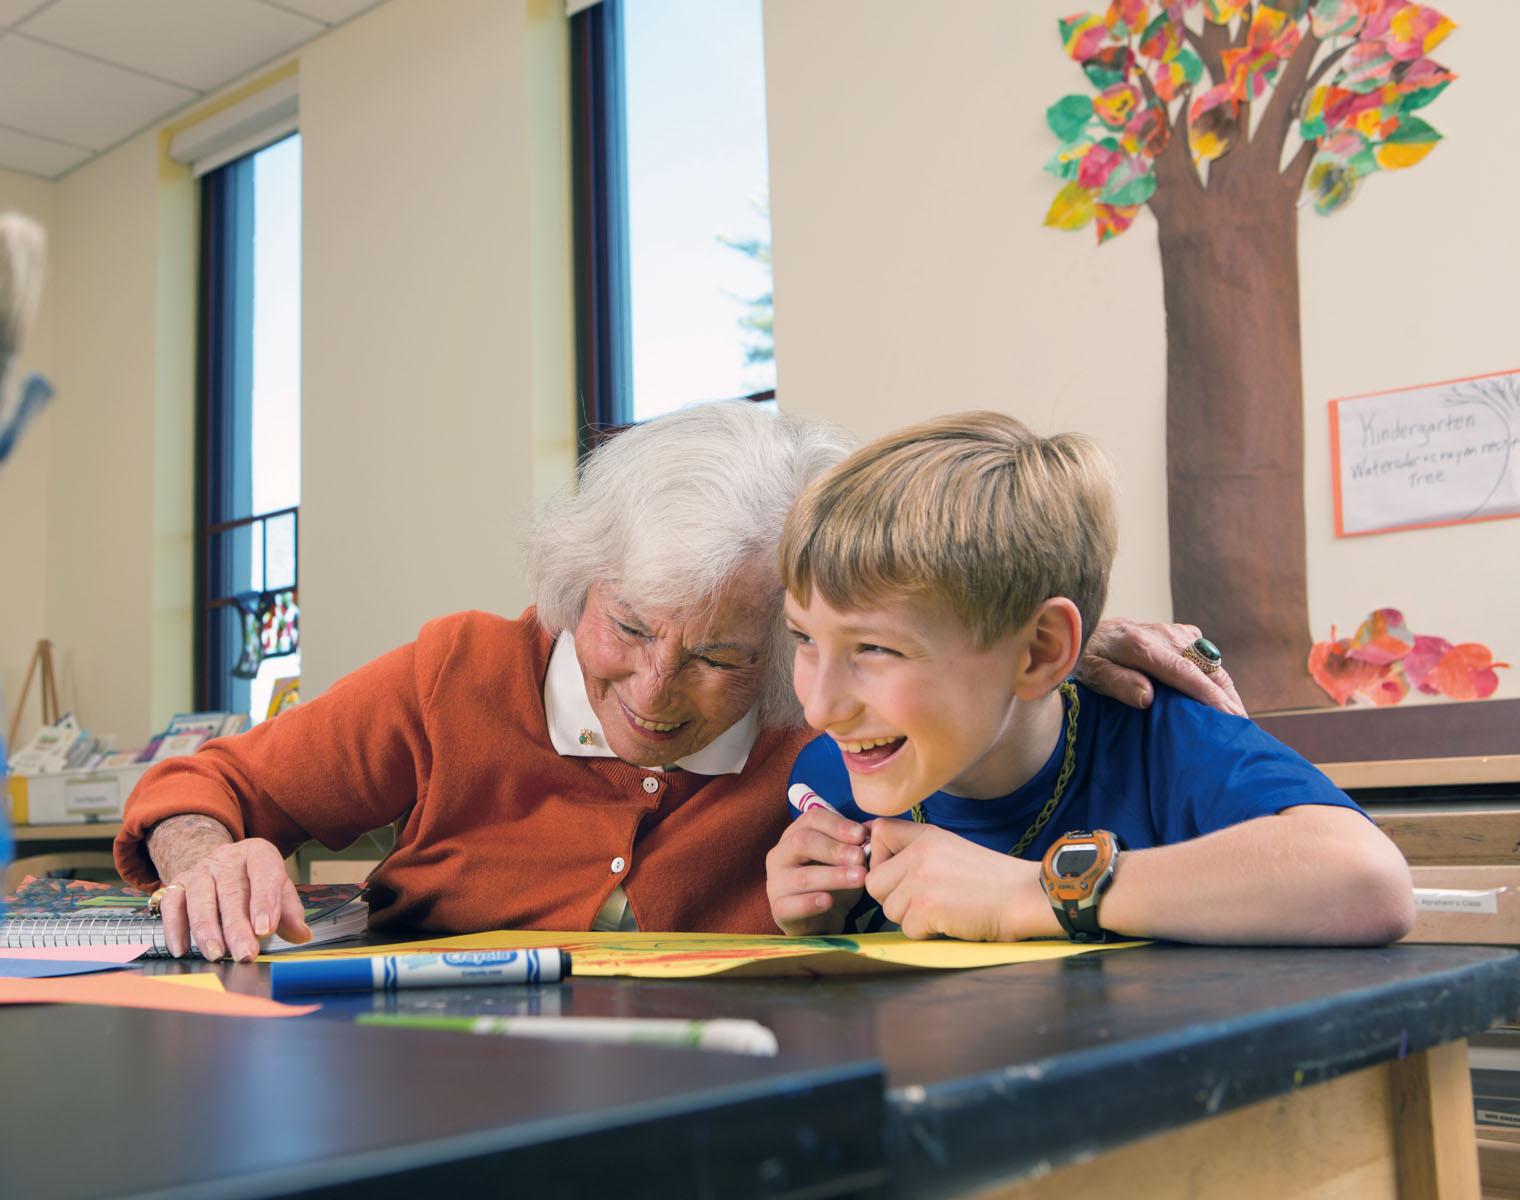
x=575, y=732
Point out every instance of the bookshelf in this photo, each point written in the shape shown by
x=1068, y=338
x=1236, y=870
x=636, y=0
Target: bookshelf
x=1443, y=781
x=92, y=831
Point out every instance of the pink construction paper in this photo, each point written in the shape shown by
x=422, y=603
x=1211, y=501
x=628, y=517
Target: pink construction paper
x=101, y=954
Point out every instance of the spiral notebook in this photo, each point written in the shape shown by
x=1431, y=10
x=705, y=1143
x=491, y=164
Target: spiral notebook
x=74, y=912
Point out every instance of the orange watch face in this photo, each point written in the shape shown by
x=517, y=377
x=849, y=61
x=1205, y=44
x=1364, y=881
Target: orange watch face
x=1077, y=866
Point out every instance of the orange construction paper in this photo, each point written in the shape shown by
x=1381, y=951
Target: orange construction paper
x=117, y=990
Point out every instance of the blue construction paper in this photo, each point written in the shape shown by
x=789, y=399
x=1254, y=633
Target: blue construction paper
x=49, y=968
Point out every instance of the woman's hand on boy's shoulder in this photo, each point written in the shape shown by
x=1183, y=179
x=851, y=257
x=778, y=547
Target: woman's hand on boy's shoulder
x=932, y=882
x=1123, y=657
x=814, y=874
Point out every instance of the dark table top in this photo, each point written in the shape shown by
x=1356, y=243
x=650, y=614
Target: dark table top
x=98, y=1102
x=980, y=1066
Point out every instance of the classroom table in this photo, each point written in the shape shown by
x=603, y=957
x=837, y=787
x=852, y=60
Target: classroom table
x=1162, y=1069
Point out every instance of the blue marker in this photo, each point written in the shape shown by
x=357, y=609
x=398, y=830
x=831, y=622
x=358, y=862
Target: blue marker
x=387, y=972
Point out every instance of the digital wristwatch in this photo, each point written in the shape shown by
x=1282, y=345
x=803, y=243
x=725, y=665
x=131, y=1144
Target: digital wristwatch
x=1077, y=870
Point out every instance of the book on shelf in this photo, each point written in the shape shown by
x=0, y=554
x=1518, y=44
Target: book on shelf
x=66, y=746
x=75, y=912
x=49, y=749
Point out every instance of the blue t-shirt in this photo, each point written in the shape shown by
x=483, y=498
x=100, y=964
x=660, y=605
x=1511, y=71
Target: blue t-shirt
x=1154, y=776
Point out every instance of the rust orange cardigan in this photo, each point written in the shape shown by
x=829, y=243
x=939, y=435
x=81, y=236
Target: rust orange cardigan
x=448, y=738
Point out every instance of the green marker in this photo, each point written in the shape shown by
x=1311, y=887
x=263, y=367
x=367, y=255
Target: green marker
x=729, y=1036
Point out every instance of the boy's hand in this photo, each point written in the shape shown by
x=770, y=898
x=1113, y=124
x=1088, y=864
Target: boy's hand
x=814, y=874
x=933, y=882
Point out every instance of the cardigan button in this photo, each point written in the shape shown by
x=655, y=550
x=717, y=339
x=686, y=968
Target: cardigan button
x=618, y=864
x=651, y=784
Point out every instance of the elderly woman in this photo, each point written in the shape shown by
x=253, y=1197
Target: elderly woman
x=615, y=758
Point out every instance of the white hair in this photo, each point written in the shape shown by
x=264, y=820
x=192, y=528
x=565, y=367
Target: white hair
x=673, y=509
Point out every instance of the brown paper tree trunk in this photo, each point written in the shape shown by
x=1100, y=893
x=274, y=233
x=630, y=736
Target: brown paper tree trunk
x=1235, y=442
x=1235, y=401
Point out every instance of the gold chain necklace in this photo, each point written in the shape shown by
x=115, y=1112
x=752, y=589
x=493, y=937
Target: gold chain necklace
x=1073, y=710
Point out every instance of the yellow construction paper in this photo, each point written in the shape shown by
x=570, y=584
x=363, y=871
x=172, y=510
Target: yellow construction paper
x=204, y=980
x=689, y=955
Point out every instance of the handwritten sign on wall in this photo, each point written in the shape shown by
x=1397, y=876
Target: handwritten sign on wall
x=1439, y=454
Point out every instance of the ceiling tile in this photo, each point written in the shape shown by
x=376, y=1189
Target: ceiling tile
x=37, y=156
x=73, y=99
x=12, y=11
x=197, y=43
x=333, y=12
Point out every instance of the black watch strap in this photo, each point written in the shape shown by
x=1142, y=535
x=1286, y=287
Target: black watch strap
x=1081, y=924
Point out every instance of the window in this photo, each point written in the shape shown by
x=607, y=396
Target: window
x=248, y=632
x=672, y=220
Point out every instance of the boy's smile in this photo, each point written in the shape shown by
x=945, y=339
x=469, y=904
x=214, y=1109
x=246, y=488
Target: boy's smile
x=915, y=705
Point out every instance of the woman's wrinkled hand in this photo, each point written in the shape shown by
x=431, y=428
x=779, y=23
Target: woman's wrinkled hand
x=231, y=898
x=1123, y=657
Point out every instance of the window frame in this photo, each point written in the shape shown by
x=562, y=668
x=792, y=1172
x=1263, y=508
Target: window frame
x=603, y=275
x=224, y=431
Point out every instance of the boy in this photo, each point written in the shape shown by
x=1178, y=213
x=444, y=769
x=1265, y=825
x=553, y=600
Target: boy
x=940, y=584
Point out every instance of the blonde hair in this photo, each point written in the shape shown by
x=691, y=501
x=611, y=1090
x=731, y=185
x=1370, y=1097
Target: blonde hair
x=973, y=507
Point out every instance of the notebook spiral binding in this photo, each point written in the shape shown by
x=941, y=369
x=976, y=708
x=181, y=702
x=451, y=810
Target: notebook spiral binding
x=127, y=929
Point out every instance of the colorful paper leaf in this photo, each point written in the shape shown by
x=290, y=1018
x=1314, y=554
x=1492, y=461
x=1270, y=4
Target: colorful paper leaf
x=1212, y=123
x=1331, y=184
x=1097, y=165
x=1067, y=161
x=1115, y=105
x=1419, y=83
x=1466, y=672
x=1384, y=660
x=1339, y=676
x=1068, y=116
x=1147, y=132
x=1416, y=30
x=1114, y=219
x=1082, y=35
x=1072, y=207
x=1381, y=638
x=1222, y=12
x=1396, y=156
x=1335, y=18
x=1421, y=661
x=1162, y=39
x=1109, y=66
x=1379, y=14
x=1125, y=18
x=1130, y=184
x=1366, y=67
x=1407, y=144
x=1249, y=71
x=1293, y=10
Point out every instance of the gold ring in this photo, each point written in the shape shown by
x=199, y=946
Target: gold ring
x=155, y=901
x=1204, y=655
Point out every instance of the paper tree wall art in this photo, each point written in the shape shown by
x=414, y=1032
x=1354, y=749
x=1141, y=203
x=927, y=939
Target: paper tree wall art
x=1222, y=116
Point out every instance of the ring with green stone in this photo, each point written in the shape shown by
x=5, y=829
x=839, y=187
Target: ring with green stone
x=1204, y=655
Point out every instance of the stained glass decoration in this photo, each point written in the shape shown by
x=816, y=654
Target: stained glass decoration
x=271, y=628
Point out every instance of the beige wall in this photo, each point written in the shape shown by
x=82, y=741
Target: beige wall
x=23, y=487
x=119, y=480
x=437, y=332
x=422, y=443
x=913, y=276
